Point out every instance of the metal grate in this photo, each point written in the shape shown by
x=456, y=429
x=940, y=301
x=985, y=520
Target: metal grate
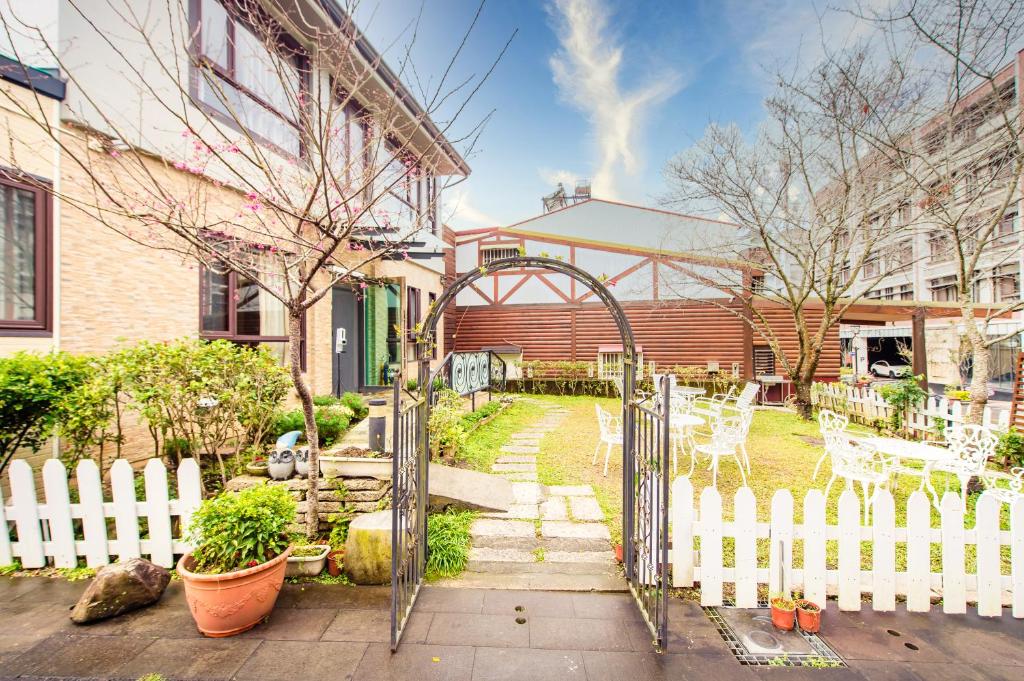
x=821, y=654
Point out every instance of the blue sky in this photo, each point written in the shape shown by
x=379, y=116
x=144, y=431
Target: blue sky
x=601, y=89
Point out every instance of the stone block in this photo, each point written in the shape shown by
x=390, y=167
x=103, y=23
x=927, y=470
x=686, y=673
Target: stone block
x=514, y=467
x=368, y=495
x=362, y=484
x=245, y=482
x=553, y=509
x=520, y=449
x=470, y=490
x=571, y=490
x=368, y=549
x=585, y=508
x=364, y=506
x=120, y=588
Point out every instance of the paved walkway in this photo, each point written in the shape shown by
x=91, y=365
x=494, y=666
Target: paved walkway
x=334, y=632
x=553, y=536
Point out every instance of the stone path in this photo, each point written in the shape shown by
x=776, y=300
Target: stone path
x=552, y=537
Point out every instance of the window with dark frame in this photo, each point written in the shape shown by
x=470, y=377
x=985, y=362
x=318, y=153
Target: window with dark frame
x=764, y=361
x=413, y=301
x=26, y=229
x=431, y=301
x=234, y=308
x=489, y=254
x=241, y=82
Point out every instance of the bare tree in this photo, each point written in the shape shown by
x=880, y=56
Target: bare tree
x=966, y=159
x=813, y=204
x=294, y=162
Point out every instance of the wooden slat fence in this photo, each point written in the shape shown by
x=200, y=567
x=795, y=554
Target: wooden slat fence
x=56, y=531
x=848, y=580
x=1017, y=406
x=866, y=406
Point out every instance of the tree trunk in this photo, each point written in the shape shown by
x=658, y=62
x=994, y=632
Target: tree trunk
x=802, y=387
x=981, y=362
x=312, y=438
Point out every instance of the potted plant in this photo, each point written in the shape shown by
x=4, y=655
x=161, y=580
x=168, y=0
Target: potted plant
x=336, y=540
x=783, y=613
x=808, y=615
x=307, y=560
x=234, y=573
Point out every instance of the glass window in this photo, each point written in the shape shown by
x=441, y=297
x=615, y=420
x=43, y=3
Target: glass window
x=214, y=301
x=24, y=256
x=382, y=326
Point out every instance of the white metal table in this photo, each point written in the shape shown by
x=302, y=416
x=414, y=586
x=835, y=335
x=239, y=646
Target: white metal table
x=905, y=450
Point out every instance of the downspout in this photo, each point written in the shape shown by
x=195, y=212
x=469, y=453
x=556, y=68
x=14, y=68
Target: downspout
x=55, y=246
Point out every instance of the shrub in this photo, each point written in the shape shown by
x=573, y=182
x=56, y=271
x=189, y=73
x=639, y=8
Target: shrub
x=90, y=412
x=325, y=400
x=447, y=431
x=355, y=402
x=411, y=385
x=901, y=395
x=448, y=542
x=1010, y=449
x=475, y=417
x=240, y=529
x=331, y=423
x=33, y=388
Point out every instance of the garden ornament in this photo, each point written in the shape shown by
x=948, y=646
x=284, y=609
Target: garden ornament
x=281, y=463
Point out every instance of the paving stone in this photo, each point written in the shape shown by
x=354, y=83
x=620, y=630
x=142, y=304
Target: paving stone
x=527, y=492
x=534, y=603
x=585, y=508
x=521, y=476
x=514, y=467
x=597, y=558
x=571, y=490
x=374, y=626
x=293, y=624
x=516, y=512
x=280, y=660
x=332, y=596
x=605, y=606
x=517, y=458
x=502, y=534
x=201, y=658
x=478, y=630
x=565, y=633
x=560, y=529
x=553, y=509
x=497, y=664
x=412, y=661
x=526, y=438
x=63, y=655
x=520, y=449
x=434, y=599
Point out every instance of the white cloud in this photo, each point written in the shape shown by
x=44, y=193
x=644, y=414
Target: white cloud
x=587, y=70
x=552, y=178
x=460, y=213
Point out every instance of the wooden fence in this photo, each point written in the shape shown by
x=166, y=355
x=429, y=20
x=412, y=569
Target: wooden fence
x=866, y=406
x=96, y=528
x=986, y=586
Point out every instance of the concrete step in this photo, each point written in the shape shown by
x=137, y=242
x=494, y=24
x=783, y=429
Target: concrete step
x=536, y=581
x=516, y=561
x=561, y=535
x=503, y=534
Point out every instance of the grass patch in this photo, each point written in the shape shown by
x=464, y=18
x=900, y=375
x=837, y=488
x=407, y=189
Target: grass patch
x=482, y=446
x=448, y=543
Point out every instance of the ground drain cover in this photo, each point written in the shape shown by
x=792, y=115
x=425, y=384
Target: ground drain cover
x=754, y=641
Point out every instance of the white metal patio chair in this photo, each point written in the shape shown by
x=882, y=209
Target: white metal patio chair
x=740, y=400
x=970, y=448
x=855, y=461
x=832, y=427
x=1007, y=487
x=611, y=434
x=728, y=434
x=680, y=410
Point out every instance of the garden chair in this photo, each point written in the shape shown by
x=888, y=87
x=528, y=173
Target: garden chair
x=611, y=434
x=744, y=399
x=855, y=461
x=1012, y=487
x=970, y=448
x=832, y=427
x=728, y=435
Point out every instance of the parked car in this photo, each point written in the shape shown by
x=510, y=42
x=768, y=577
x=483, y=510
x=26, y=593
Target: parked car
x=883, y=368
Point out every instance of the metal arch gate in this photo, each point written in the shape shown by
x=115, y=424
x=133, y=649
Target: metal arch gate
x=645, y=472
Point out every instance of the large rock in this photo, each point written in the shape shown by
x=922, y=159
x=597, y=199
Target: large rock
x=470, y=490
x=368, y=548
x=121, y=588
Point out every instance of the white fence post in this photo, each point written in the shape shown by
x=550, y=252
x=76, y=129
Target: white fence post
x=58, y=513
x=780, y=550
x=94, y=521
x=745, y=514
x=986, y=529
x=6, y=551
x=954, y=588
x=682, y=532
x=883, y=564
x=25, y=507
x=815, y=575
x=710, y=547
x=126, y=517
x=190, y=493
x=1017, y=556
x=919, y=569
x=849, y=551
x=161, y=547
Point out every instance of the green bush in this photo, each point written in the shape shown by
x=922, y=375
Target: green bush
x=446, y=428
x=325, y=400
x=33, y=389
x=1010, y=449
x=448, y=542
x=236, y=530
x=331, y=424
x=475, y=417
x=355, y=402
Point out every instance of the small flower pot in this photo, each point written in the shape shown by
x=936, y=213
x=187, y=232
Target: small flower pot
x=233, y=602
x=307, y=566
x=257, y=468
x=618, y=552
x=783, y=614
x=808, y=616
x=334, y=561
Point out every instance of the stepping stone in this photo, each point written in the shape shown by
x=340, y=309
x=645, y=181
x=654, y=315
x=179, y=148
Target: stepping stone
x=562, y=535
x=526, y=493
x=521, y=476
x=520, y=449
x=503, y=534
x=526, y=440
x=585, y=508
x=514, y=467
x=517, y=561
x=516, y=512
x=553, y=509
x=571, y=490
x=467, y=489
x=517, y=458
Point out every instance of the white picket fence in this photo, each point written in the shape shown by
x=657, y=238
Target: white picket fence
x=58, y=530
x=865, y=405
x=848, y=581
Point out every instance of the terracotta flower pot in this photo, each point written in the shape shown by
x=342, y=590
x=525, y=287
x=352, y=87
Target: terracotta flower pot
x=808, y=616
x=618, y=552
x=782, y=618
x=228, y=604
x=333, y=568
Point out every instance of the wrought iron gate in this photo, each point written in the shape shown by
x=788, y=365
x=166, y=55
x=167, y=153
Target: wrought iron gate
x=645, y=489
x=408, y=506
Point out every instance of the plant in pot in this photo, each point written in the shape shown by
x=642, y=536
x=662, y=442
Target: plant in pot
x=236, y=570
x=446, y=428
x=307, y=560
x=808, y=616
x=336, y=541
x=783, y=612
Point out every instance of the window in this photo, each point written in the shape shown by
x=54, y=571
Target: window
x=610, y=362
x=1006, y=229
x=757, y=283
x=904, y=254
x=236, y=308
x=413, y=300
x=382, y=327
x=489, y=254
x=764, y=361
x=938, y=248
x=943, y=289
x=871, y=265
x=432, y=298
x=25, y=257
x=905, y=292
x=242, y=81
x=1006, y=283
